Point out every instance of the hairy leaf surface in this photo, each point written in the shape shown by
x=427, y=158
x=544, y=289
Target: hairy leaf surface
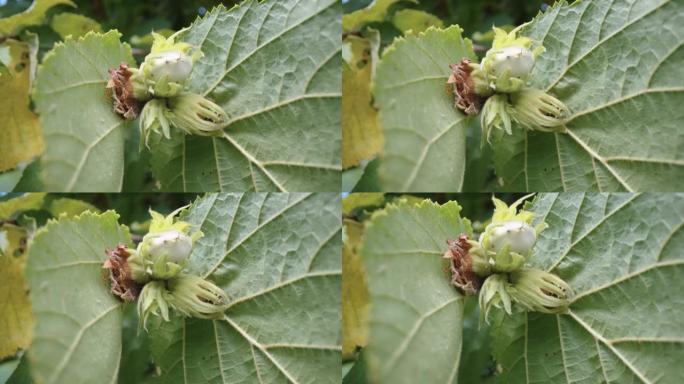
x=618, y=67
x=278, y=258
x=274, y=67
x=622, y=255
x=77, y=337
x=424, y=133
x=84, y=137
x=416, y=314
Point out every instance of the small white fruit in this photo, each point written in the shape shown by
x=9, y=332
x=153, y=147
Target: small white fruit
x=174, y=64
x=516, y=59
x=518, y=235
x=174, y=244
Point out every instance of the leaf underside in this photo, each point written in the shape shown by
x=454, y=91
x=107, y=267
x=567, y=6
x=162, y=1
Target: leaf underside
x=425, y=134
x=622, y=254
x=283, y=323
x=618, y=67
x=280, y=86
x=416, y=314
x=77, y=337
x=84, y=137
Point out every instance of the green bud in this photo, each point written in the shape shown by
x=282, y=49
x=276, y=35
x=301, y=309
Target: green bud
x=495, y=116
x=506, y=260
x=164, y=250
x=153, y=300
x=196, y=115
x=540, y=291
x=494, y=292
x=509, y=62
x=537, y=110
x=507, y=242
x=165, y=69
x=196, y=297
x=153, y=119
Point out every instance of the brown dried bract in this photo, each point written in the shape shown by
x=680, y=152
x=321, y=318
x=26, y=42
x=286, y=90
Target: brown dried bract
x=122, y=91
x=464, y=88
x=120, y=274
x=462, y=275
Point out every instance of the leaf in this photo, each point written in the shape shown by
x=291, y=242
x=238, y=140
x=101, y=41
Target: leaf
x=70, y=207
x=15, y=318
x=414, y=20
x=281, y=89
x=622, y=255
x=415, y=311
x=20, y=135
x=278, y=257
x=77, y=337
x=32, y=16
x=361, y=200
x=25, y=202
x=354, y=292
x=73, y=24
x=377, y=11
x=617, y=66
x=425, y=134
x=361, y=133
x=84, y=152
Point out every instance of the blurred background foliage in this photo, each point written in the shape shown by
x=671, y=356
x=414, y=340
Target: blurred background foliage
x=129, y=17
x=389, y=18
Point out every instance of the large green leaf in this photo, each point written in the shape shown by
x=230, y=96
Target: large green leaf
x=425, y=135
x=274, y=67
x=622, y=255
x=84, y=137
x=77, y=337
x=416, y=314
x=278, y=257
x=618, y=66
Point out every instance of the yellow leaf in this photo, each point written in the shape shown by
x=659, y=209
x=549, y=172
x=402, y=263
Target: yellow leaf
x=21, y=138
x=354, y=292
x=415, y=20
x=25, y=202
x=16, y=321
x=362, y=137
x=32, y=16
x=361, y=199
x=70, y=207
x=377, y=11
x=74, y=25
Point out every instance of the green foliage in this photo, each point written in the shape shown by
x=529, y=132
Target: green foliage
x=416, y=314
x=84, y=152
x=283, y=322
x=32, y=16
x=281, y=90
x=78, y=320
x=622, y=256
x=424, y=141
x=612, y=65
